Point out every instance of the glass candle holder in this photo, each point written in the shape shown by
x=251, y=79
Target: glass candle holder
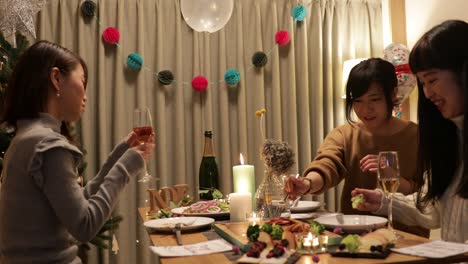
x=323, y=242
x=254, y=218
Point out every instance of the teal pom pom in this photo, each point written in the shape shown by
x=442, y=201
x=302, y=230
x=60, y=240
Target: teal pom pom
x=165, y=77
x=259, y=59
x=232, y=77
x=134, y=61
x=299, y=12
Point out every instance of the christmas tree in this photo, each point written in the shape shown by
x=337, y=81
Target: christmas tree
x=9, y=55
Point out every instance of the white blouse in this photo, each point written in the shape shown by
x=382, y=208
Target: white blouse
x=450, y=213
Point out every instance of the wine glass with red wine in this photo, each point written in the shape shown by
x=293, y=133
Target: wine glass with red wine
x=143, y=127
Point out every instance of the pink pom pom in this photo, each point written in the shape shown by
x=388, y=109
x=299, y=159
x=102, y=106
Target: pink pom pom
x=199, y=83
x=282, y=37
x=111, y=35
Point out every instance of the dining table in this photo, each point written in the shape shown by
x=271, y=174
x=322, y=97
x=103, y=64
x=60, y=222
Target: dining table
x=239, y=228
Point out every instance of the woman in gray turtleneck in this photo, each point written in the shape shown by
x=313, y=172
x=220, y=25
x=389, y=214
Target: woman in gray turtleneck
x=43, y=210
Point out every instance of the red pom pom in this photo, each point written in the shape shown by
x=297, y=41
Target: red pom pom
x=282, y=37
x=199, y=83
x=111, y=35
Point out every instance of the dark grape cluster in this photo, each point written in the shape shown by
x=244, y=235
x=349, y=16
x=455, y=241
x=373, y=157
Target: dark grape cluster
x=256, y=248
x=278, y=250
x=378, y=248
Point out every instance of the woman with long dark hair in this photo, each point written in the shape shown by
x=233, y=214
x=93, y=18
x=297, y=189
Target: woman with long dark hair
x=43, y=209
x=440, y=61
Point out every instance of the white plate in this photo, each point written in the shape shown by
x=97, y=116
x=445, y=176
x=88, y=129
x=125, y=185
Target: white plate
x=352, y=223
x=306, y=206
x=188, y=223
x=180, y=211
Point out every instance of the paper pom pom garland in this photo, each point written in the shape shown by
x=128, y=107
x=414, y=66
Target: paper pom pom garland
x=165, y=77
x=282, y=37
x=299, y=12
x=199, y=83
x=111, y=35
x=134, y=61
x=259, y=59
x=232, y=77
x=88, y=8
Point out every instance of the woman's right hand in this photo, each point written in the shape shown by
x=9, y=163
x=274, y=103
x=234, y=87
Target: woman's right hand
x=373, y=199
x=295, y=187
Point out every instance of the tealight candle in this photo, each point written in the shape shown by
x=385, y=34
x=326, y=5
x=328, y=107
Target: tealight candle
x=323, y=242
x=307, y=242
x=254, y=218
x=315, y=243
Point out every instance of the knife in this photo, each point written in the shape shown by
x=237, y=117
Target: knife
x=177, y=233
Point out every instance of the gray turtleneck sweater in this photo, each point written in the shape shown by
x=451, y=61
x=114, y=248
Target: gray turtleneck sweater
x=450, y=213
x=43, y=210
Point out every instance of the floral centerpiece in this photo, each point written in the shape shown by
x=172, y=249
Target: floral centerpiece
x=278, y=158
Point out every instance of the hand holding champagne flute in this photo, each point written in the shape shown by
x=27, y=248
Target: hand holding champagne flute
x=389, y=178
x=143, y=128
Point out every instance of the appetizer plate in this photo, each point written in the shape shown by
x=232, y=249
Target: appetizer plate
x=188, y=223
x=352, y=223
x=180, y=211
x=306, y=206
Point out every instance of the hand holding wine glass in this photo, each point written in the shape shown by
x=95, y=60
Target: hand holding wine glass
x=143, y=128
x=389, y=178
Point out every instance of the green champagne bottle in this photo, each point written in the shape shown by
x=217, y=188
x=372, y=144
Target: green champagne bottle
x=208, y=177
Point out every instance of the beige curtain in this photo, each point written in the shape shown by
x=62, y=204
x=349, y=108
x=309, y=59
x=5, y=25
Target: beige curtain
x=300, y=86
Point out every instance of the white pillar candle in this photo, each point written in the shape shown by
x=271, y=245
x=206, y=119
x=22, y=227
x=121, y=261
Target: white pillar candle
x=240, y=204
x=244, y=177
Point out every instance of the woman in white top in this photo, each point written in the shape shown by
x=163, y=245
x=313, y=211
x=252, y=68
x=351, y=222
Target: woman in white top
x=440, y=61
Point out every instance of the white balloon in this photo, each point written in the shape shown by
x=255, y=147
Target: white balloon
x=206, y=15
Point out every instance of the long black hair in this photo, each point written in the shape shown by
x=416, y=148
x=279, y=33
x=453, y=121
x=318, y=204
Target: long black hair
x=444, y=47
x=28, y=88
x=373, y=70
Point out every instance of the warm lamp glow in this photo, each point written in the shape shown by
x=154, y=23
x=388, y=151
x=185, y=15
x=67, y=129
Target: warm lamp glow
x=347, y=66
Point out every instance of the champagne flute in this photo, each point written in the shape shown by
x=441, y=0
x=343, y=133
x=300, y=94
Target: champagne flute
x=143, y=127
x=389, y=179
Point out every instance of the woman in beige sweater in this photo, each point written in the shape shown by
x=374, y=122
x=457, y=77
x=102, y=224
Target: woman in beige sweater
x=350, y=151
x=440, y=61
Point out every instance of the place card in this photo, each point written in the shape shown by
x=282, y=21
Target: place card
x=434, y=249
x=203, y=248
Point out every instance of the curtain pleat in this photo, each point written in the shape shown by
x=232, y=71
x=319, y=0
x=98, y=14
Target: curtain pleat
x=300, y=87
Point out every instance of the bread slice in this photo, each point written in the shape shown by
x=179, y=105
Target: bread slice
x=387, y=233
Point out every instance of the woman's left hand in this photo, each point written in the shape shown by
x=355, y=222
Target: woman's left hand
x=369, y=163
x=132, y=139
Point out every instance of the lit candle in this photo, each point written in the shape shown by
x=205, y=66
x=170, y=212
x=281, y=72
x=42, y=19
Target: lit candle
x=244, y=177
x=254, y=218
x=307, y=242
x=315, y=243
x=323, y=242
x=240, y=204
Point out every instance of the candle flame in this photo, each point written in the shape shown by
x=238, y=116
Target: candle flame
x=241, y=159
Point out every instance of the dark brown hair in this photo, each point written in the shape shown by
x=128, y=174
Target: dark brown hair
x=444, y=47
x=373, y=70
x=28, y=89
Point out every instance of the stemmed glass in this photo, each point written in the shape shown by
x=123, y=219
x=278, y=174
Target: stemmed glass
x=389, y=179
x=143, y=127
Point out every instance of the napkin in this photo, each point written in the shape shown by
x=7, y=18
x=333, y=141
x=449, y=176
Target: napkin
x=434, y=249
x=207, y=247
